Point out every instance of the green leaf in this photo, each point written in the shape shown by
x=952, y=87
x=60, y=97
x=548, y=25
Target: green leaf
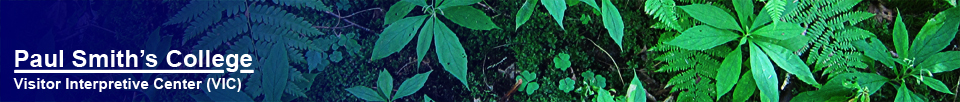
x=532, y=86
x=469, y=17
x=604, y=96
x=789, y=62
x=901, y=38
x=775, y=8
x=397, y=11
x=875, y=50
x=870, y=81
x=523, y=15
x=528, y=76
x=592, y=3
x=664, y=11
x=613, y=22
x=411, y=85
x=942, y=62
x=702, y=38
x=935, y=84
x=396, y=36
x=275, y=77
x=711, y=15
x=562, y=61
x=450, y=52
x=744, y=12
x=936, y=35
x=426, y=38
x=427, y=98
x=762, y=19
x=556, y=8
x=385, y=83
x=417, y=2
x=905, y=95
x=336, y=56
x=455, y=3
x=729, y=72
x=745, y=87
x=636, y=92
x=599, y=81
x=764, y=75
x=365, y=93
x=566, y=85
x=780, y=31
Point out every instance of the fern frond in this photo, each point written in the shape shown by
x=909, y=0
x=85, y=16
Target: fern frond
x=294, y=90
x=664, y=11
x=274, y=16
x=312, y=4
x=219, y=35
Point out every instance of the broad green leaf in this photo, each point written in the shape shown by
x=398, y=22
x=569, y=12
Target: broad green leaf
x=952, y=2
x=875, y=50
x=427, y=98
x=450, y=52
x=455, y=3
x=417, y=2
x=905, y=95
x=613, y=22
x=789, y=62
x=729, y=71
x=523, y=15
x=935, y=84
x=745, y=87
x=567, y=85
x=532, y=86
x=592, y=3
x=556, y=9
x=562, y=61
x=385, y=83
x=762, y=19
x=780, y=31
x=870, y=81
x=744, y=12
x=604, y=96
x=275, y=77
x=711, y=15
x=365, y=93
x=901, y=37
x=411, y=85
x=397, y=11
x=396, y=36
x=426, y=38
x=764, y=74
x=932, y=38
x=572, y=2
x=469, y=17
x=942, y=62
x=636, y=92
x=702, y=38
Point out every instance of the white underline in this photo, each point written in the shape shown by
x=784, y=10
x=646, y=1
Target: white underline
x=127, y=71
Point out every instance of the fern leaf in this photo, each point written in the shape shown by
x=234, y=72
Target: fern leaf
x=230, y=29
x=295, y=90
x=280, y=18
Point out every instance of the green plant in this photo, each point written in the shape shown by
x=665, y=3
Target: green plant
x=611, y=16
x=562, y=61
x=449, y=50
x=832, y=32
x=594, y=86
x=695, y=69
x=274, y=36
x=774, y=39
x=385, y=88
x=567, y=84
x=528, y=85
x=920, y=59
